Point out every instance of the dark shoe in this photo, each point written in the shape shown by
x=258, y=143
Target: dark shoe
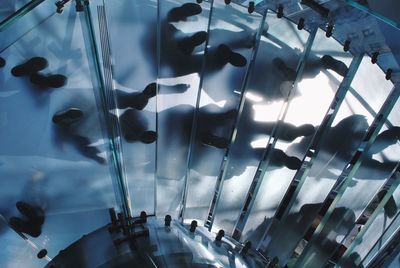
x=30, y=67
x=53, y=81
x=214, y=141
x=226, y=55
x=2, y=62
x=26, y=227
x=139, y=101
x=150, y=90
x=335, y=65
x=280, y=158
x=289, y=73
x=293, y=163
x=132, y=137
x=184, y=11
x=33, y=213
x=187, y=45
x=67, y=117
x=305, y=130
x=148, y=137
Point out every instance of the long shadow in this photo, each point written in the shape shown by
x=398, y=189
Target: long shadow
x=342, y=141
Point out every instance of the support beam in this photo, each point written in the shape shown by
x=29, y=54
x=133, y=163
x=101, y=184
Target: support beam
x=351, y=168
x=359, y=239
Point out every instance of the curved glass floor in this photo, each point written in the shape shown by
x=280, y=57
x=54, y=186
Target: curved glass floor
x=275, y=121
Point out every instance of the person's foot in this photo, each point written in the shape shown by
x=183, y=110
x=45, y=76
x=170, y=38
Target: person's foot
x=148, y=137
x=337, y=66
x=33, y=213
x=180, y=88
x=67, y=117
x=93, y=153
x=188, y=44
x=26, y=227
x=184, y=11
x=226, y=55
x=53, y=81
x=280, y=158
x=214, y=141
x=289, y=73
x=30, y=67
x=150, y=90
x=292, y=163
x=2, y=62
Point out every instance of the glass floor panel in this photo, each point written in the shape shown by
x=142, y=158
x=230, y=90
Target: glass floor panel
x=56, y=165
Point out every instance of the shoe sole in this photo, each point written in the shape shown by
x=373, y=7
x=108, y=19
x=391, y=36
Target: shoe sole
x=68, y=117
x=30, y=67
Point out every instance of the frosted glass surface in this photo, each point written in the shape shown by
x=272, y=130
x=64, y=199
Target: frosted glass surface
x=372, y=237
x=16, y=251
x=60, y=168
x=179, y=77
x=377, y=167
x=313, y=95
x=264, y=100
x=339, y=145
x=232, y=27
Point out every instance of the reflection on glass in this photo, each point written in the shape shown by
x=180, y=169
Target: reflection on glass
x=375, y=236
x=367, y=183
x=336, y=150
x=391, y=235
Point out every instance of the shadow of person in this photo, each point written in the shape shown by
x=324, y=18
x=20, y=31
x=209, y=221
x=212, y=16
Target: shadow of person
x=179, y=54
x=66, y=129
x=342, y=141
x=338, y=145
x=139, y=100
x=134, y=127
x=242, y=149
x=279, y=63
x=31, y=220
